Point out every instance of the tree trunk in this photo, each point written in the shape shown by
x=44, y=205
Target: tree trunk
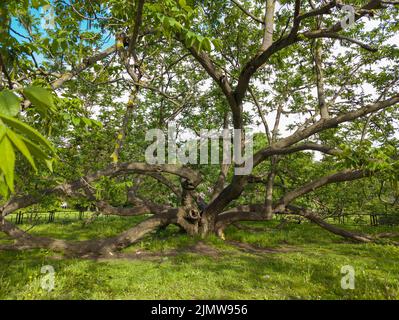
x=207, y=225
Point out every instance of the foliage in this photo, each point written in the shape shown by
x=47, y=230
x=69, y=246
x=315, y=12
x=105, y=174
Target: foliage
x=17, y=135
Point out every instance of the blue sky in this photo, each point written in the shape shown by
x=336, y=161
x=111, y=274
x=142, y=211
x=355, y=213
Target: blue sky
x=21, y=32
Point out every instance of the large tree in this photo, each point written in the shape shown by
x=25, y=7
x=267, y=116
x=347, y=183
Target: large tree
x=118, y=68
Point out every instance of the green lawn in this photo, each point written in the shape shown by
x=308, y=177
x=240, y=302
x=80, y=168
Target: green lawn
x=301, y=262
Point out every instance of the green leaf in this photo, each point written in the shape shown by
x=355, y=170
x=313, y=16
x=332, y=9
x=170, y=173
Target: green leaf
x=97, y=123
x=190, y=42
x=35, y=4
x=165, y=23
x=199, y=42
x=38, y=153
x=3, y=130
x=40, y=97
x=49, y=164
x=87, y=122
x=3, y=186
x=9, y=103
x=21, y=146
x=218, y=44
x=190, y=39
x=206, y=44
x=27, y=130
x=7, y=162
x=75, y=121
x=35, y=150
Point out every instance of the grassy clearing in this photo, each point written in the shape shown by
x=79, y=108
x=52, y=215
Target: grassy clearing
x=309, y=270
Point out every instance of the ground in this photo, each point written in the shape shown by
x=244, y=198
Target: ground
x=297, y=261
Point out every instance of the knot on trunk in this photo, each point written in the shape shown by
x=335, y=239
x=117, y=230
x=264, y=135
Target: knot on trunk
x=188, y=219
x=187, y=185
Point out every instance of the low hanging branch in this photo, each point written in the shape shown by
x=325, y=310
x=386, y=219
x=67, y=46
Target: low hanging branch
x=114, y=170
x=254, y=213
x=88, y=62
x=285, y=146
x=346, y=175
x=338, y=231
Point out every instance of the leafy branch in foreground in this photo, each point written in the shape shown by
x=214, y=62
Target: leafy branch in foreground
x=15, y=135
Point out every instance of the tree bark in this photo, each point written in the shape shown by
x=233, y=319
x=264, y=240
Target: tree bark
x=90, y=247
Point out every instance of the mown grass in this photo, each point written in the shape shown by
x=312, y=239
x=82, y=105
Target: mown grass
x=311, y=269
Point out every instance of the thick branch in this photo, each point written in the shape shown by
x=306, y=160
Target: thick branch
x=317, y=57
x=137, y=24
x=112, y=171
x=268, y=26
x=346, y=175
x=143, y=208
x=253, y=213
x=236, y=187
x=332, y=35
x=338, y=231
x=247, y=12
x=88, y=62
x=259, y=60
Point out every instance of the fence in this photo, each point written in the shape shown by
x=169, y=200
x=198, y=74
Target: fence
x=374, y=219
x=50, y=216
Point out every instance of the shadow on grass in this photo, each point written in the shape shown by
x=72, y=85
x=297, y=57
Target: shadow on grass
x=312, y=272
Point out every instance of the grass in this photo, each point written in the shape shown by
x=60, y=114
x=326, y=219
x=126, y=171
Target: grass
x=309, y=269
